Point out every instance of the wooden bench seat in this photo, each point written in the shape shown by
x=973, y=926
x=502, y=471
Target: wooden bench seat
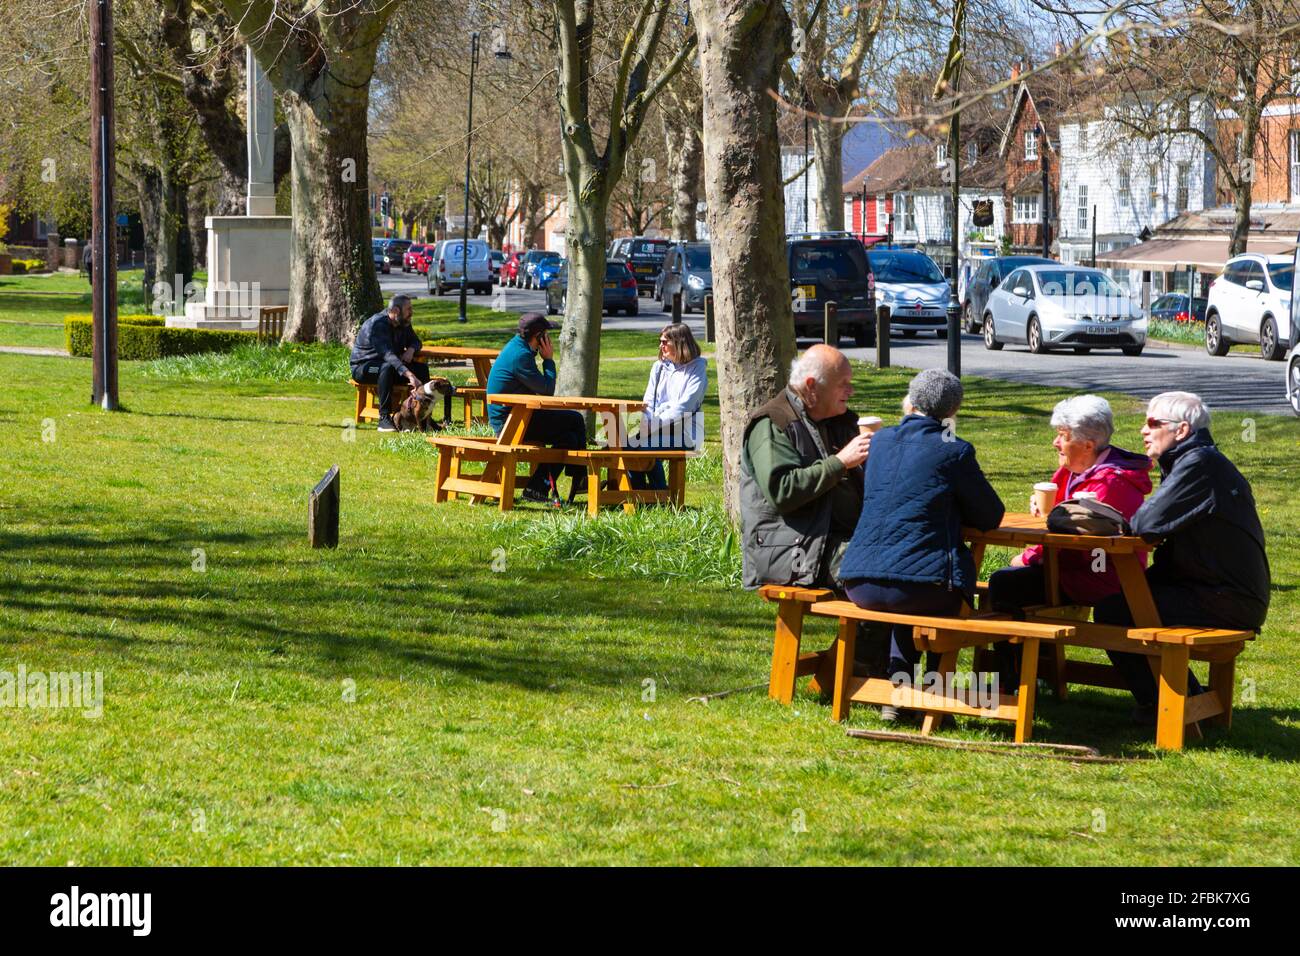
x=498, y=478
x=368, y=400
x=471, y=395
x=946, y=636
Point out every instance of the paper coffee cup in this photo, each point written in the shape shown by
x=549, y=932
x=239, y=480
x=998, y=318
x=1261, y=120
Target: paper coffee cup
x=1045, y=496
x=869, y=424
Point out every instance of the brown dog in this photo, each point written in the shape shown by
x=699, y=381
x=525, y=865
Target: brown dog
x=416, y=413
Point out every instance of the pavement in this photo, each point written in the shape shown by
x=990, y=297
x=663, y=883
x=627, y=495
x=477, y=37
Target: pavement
x=1238, y=380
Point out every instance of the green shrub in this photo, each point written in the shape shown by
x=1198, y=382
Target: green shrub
x=24, y=266
x=146, y=337
x=1190, y=332
x=253, y=362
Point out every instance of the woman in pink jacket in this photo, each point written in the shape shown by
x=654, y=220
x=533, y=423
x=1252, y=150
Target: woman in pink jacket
x=1087, y=462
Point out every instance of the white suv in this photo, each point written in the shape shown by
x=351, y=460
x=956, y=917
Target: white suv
x=1250, y=302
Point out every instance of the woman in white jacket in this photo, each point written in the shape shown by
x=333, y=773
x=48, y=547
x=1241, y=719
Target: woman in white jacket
x=673, y=397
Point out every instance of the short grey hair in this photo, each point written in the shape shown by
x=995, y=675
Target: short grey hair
x=1180, y=407
x=1087, y=418
x=818, y=364
x=935, y=392
x=396, y=302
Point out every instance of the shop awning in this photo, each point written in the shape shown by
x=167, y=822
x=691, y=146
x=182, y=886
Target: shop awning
x=1165, y=255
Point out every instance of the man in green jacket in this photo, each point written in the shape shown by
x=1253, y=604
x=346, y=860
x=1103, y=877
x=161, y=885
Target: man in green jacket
x=801, y=475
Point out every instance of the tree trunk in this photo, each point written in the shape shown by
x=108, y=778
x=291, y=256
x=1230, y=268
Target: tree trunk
x=1243, y=186
x=828, y=141
x=332, y=274
x=584, y=244
x=685, y=156
x=164, y=214
x=743, y=44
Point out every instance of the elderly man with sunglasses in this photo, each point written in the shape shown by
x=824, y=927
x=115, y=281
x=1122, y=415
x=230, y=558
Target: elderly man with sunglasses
x=1210, y=568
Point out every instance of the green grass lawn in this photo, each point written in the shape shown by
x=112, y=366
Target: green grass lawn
x=419, y=696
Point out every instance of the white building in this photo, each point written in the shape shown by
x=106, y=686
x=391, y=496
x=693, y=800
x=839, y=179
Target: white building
x=1133, y=183
x=793, y=163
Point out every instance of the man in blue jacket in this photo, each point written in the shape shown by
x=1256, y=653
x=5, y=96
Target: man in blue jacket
x=515, y=373
x=1210, y=568
x=922, y=486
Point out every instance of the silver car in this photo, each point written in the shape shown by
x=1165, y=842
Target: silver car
x=1056, y=306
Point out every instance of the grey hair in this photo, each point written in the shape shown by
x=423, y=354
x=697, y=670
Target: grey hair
x=396, y=302
x=1180, y=407
x=1087, y=417
x=818, y=364
x=935, y=392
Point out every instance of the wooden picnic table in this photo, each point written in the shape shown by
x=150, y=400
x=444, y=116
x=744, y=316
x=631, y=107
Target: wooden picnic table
x=482, y=359
x=1167, y=648
x=522, y=407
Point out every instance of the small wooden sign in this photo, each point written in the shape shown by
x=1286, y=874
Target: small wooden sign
x=323, y=511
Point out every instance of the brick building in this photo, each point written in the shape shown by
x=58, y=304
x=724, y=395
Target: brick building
x=1029, y=149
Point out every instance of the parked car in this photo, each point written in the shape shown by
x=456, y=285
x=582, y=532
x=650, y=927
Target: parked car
x=1173, y=307
x=644, y=256
x=510, y=269
x=687, y=267
x=545, y=271
x=412, y=253
x=496, y=258
x=910, y=285
x=620, y=292
x=426, y=256
x=381, y=258
x=987, y=277
x=1293, y=374
x=831, y=267
x=445, y=271
x=1050, y=306
x=1250, y=303
x=531, y=258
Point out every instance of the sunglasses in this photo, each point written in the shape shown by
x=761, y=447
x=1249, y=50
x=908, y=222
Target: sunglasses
x=1157, y=422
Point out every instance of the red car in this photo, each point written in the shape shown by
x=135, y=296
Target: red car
x=410, y=255
x=425, y=257
x=510, y=269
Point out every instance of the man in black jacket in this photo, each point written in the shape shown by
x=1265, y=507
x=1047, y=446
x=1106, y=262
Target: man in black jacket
x=1210, y=568
x=384, y=349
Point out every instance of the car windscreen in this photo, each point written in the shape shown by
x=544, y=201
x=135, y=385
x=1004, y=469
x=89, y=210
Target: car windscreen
x=904, y=267
x=1282, y=274
x=615, y=270
x=838, y=260
x=549, y=257
x=699, y=258
x=1060, y=282
x=648, y=248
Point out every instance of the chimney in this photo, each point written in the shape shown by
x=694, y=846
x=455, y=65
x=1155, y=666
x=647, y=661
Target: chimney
x=1059, y=50
x=1015, y=71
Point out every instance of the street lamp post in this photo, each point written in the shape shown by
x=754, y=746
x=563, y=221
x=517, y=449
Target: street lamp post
x=469, y=136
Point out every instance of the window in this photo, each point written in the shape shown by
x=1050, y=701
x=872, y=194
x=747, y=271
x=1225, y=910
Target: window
x=1123, y=186
x=941, y=154
x=1294, y=139
x=905, y=206
x=1025, y=209
x=880, y=214
x=1083, y=137
x=1031, y=144
x=1185, y=186
x=1153, y=184
x=1083, y=207
x=972, y=152
x=945, y=227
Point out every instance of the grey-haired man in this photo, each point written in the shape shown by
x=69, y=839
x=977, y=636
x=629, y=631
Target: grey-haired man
x=384, y=349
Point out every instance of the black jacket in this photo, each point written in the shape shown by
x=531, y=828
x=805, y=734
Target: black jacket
x=1212, y=539
x=923, y=485
x=377, y=342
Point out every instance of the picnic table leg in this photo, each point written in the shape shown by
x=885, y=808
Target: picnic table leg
x=1028, y=687
x=947, y=665
x=361, y=403
x=1222, y=676
x=1173, y=696
x=844, y=647
x=440, y=476
x=785, y=649
x=508, y=483
x=625, y=484
x=677, y=481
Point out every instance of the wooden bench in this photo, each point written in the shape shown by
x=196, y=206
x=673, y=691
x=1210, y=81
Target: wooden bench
x=1169, y=649
x=832, y=669
x=470, y=395
x=498, y=478
x=270, y=323
x=368, y=400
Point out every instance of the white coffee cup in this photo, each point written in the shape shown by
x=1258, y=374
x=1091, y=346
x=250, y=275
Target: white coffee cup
x=1045, y=496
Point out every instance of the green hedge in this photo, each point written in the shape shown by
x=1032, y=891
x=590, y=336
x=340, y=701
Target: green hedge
x=146, y=337
x=24, y=266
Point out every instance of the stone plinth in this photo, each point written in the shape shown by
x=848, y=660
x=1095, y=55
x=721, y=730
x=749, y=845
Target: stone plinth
x=248, y=268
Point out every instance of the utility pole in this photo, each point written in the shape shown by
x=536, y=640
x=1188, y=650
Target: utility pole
x=948, y=85
x=1042, y=165
x=103, y=222
x=469, y=136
